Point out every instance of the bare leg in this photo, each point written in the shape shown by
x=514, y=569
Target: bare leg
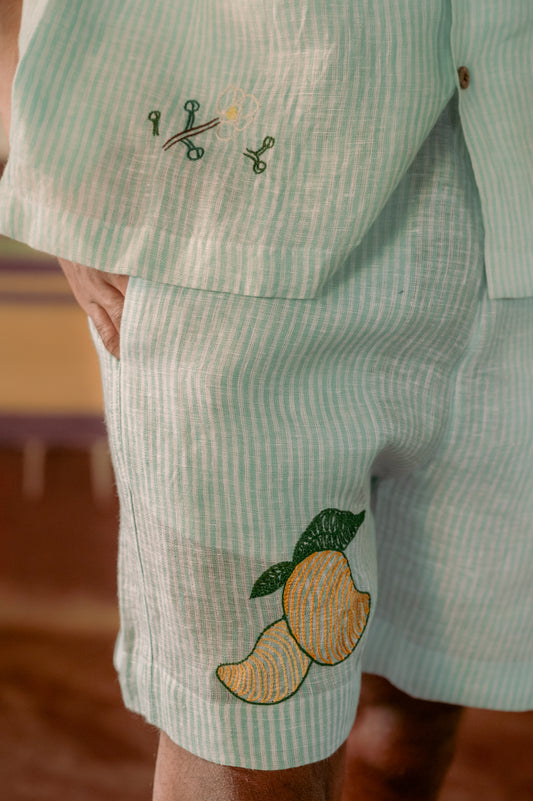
x=400, y=748
x=181, y=776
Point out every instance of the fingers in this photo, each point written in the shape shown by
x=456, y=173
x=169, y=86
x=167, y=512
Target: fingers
x=101, y=295
x=108, y=329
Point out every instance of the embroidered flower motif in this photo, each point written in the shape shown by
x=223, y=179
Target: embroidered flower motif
x=236, y=111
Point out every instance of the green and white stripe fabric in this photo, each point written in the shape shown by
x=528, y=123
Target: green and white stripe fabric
x=247, y=146
x=250, y=435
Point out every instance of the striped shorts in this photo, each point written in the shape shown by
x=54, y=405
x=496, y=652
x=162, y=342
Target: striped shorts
x=315, y=488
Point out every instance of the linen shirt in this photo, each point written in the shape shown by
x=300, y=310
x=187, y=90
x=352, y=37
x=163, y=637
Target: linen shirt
x=247, y=146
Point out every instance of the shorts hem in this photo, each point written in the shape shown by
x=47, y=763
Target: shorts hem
x=443, y=677
x=234, y=733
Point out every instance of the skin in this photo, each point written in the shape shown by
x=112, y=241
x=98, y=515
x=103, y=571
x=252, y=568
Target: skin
x=101, y=296
x=400, y=747
x=181, y=775
x=10, y=13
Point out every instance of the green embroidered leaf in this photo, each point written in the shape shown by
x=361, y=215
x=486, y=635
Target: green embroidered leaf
x=331, y=529
x=272, y=579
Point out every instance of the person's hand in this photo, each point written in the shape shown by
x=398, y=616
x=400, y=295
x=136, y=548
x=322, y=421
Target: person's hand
x=101, y=296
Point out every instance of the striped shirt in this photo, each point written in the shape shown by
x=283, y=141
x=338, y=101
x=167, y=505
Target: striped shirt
x=247, y=146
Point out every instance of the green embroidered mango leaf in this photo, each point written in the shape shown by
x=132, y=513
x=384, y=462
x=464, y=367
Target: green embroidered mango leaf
x=331, y=529
x=272, y=579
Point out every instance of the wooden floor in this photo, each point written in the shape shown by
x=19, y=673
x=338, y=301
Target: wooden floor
x=64, y=733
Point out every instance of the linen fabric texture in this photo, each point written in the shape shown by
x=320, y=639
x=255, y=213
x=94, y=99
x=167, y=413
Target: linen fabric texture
x=248, y=146
x=401, y=391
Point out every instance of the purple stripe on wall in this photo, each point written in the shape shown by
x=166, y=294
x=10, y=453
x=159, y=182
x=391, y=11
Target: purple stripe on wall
x=37, y=298
x=26, y=264
x=52, y=429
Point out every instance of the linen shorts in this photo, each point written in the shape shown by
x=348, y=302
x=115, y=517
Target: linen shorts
x=314, y=488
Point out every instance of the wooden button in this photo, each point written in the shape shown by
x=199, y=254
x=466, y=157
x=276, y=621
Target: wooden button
x=464, y=77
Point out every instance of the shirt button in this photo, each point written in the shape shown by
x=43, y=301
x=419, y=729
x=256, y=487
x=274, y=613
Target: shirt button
x=464, y=77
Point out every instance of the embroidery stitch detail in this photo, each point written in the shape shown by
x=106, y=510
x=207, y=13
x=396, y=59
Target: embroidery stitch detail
x=154, y=117
x=324, y=614
x=272, y=672
x=259, y=165
x=236, y=111
x=193, y=153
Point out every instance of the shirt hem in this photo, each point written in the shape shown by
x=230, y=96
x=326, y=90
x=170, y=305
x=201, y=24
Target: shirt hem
x=206, y=264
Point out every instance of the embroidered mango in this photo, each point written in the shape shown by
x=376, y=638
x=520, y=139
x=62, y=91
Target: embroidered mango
x=326, y=614
x=324, y=618
x=272, y=672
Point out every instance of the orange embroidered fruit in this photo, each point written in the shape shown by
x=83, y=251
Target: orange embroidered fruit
x=272, y=672
x=325, y=612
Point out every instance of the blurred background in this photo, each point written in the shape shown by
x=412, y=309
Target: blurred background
x=63, y=730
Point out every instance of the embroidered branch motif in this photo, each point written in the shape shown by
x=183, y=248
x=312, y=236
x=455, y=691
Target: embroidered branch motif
x=255, y=155
x=236, y=111
x=154, y=117
x=193, y=153
x=324, y=614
